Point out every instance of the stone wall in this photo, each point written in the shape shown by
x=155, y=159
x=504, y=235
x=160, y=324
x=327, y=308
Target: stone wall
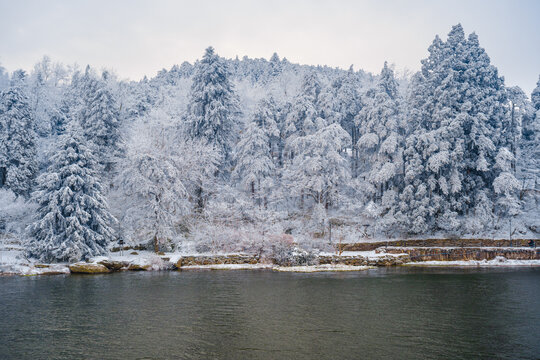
x=217, y=260
x=463, y=253
x=357, y=260
x=368, y=246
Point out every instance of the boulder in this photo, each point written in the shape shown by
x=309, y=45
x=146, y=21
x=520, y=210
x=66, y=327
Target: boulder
x=139, y=267
x=88, y=268
x=114, y=265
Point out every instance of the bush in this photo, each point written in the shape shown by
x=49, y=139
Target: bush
x=293, y=256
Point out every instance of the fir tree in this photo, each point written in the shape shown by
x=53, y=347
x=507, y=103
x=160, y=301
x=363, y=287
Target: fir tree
x=458, y=118
x=100, y=120
x=213, y=105
x=300, y=120
x=380, y=139
x=18, y=166
x=348, y=104
x=73, y=220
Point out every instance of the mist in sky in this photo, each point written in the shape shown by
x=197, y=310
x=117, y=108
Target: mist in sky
x=137, y=38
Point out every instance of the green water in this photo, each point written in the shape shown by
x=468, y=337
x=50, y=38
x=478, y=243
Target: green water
x=396, y=313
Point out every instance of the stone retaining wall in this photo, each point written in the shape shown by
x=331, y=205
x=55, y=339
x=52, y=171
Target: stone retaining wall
x=217, y=260
x=356, y=260
x=465, y=253
x=368, y=246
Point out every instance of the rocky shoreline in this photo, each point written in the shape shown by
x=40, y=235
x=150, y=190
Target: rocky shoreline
x=348, y=257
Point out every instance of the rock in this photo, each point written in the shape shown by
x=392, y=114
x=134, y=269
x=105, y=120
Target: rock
x=114, y=265
x=88, y=268
x=216, y=260
x=134, y=253
x=139, y=267
x=41, y=266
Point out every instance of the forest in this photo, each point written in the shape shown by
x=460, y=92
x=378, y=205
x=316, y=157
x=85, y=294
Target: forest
x=235, y=155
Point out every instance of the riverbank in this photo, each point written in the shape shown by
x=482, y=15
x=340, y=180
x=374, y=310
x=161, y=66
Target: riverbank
x=347, y=257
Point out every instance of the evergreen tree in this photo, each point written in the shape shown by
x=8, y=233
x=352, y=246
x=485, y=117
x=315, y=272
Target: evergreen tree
x=18, y=165
x=100, y=120
x=212, y=111
x=300, y=120
x=380, y=139
x=266, y=117
x=530, y=142
x=73, y=220
x=458, y=118
x=275, y=66
x=348, y=104
x=4, y=78
x=506, y=186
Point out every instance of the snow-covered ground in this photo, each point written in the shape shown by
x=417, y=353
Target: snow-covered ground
x=367, y=254
x=228, y=267
x=13, y=262
x=321, y=268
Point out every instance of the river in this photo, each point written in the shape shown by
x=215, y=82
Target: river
x=384, y=313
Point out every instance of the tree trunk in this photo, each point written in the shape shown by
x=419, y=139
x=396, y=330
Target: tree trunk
x=156, y=247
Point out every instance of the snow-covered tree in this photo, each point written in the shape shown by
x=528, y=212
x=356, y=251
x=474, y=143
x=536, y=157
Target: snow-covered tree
x=212, y=112
x=73, y=221
x=254, y=165
x=4, y=78
x=529, y=161
x=100, y=121
x=45, y=91
x=266, y=117
x=303, y=113
x=347, y=106
x=380, y=140
x=159, y=178
x=458, y=119
x=18, y=166
x=319, y=170
x=506, y=186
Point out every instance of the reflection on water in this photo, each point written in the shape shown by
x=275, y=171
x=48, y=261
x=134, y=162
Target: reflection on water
x=378, y=314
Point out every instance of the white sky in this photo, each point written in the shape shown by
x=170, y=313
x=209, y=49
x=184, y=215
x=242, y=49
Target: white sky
x=136, y=38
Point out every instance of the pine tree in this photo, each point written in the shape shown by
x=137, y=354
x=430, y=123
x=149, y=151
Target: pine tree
x=300, y=120
x=100, y=120
x=212, y=111
x=530, y=142
x=266, y=117
x=380, y=139
x=4, y=78
x=348, y=104
x=18, y=165
x=73, y=220
x=275, y=66
x=458, y=118
x=380, y=146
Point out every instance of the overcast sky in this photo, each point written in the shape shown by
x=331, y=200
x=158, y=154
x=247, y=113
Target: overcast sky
x=137, y=38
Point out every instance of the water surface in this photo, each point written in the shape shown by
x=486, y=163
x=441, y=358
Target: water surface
x=395, y=313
